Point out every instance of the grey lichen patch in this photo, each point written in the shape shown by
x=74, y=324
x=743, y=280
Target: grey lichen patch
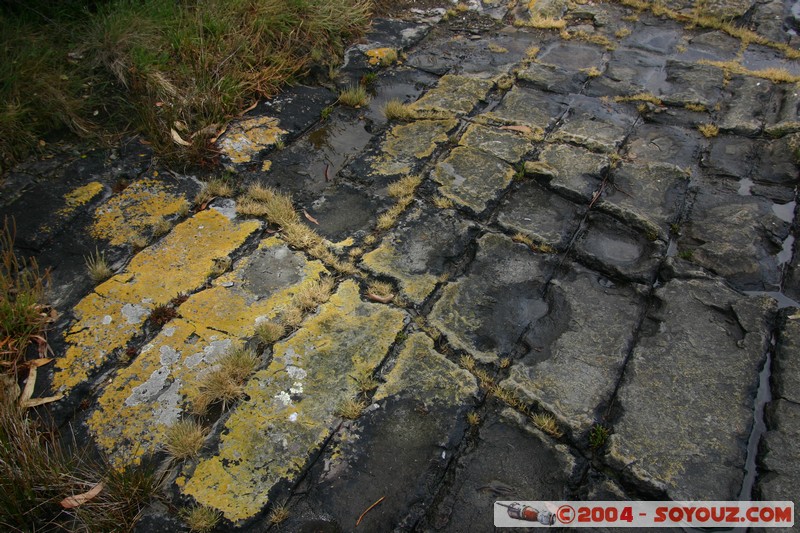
x=419, y=251
x=472, y=178
x=454, y=95
x=508, y=146
x=406, y=144
x=580, y=355
x=292, y=403
x=426, y=375
x=485, y=312
x=687, y=397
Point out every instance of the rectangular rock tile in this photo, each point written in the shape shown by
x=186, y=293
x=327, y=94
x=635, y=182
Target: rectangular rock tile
x=680, y=147
x=686, y=401
x=110, y=316
x=151, y=393
x=292, y=403
x=526, y=107
x=420, y=250
x=649, y=196
x=571, y=56
x=472, y=178
x=511, y=461
x=786, y=117
x=692, y=83
x=540, y=214
x=553, y=79
x=596, y=125
x=486, y=312
x=506, y=145
x=746, y=113
x=453, y=95
x=629, y=72
x=580, y=347
x=572, y=171
x=730, y=156
x=406, y=145
x=399, y=450
x=736, y=237
x=614, y=248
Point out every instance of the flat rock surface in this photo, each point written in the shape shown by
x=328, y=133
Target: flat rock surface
x=581, y=217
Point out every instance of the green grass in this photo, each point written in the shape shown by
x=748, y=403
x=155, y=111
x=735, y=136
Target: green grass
x=156, y=65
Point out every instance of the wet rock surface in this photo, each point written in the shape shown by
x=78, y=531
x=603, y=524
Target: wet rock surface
x=601, y=229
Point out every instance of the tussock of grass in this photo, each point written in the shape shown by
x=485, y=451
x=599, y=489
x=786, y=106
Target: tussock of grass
x=497, y=49
x=622, y=33
x=547, y=423
x=594, y=38
x=153, y=64
x=442, y=202
x=380, y=289
x=775, y=75
x=350, y=408
x=699, y=108
x=310, y=295
x=279, y=514
x=640, y=97
x=184, y=439
x=473, y=418
x=708, y=130
x=355, y=96
x=225, y=383
x=97, y=266
x=544, y=23
x=212, y=189
x=23, y=315
x=269, y=332
x=201, y=519
x=405, y=186
x=592, y=72
x=395, y=109
x=161, y=227
x=248, y=206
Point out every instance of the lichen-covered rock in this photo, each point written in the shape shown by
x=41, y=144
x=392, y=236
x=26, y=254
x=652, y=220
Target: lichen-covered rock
x=471, y=178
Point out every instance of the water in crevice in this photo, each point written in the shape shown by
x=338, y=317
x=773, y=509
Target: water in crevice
x=763, y=397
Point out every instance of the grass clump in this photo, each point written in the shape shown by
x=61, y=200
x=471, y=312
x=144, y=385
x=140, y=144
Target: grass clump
x=545, y=23
x=279, y=514
x=211, y=189
x=354, y=96
x=162, y=314
x=174, y=71
x=23, y=315
x=442, y=202
x=405, y=186
x=184, y=439
x=547, y=423
x=640, y=97
x=351, y=408
x=225, y=382
x=269, y=332
x=708, y=130
x=473, y=418
x=395, y=109
x=200, y=518
x=698, y=108
x=598, y=436
x=97, y=267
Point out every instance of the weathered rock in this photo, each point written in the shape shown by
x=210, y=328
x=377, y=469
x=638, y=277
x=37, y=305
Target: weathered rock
x=150, y=394
x=563, y=67
x=400, y=433
x=487, y=311
x=648, y=196
x=512, y=461
x=420, y=250
x=508, y=146
x=595, y=125
x=343, y=211
x=629, y=72
x=779, y=455
x=527, y=107
x=610, y=246
x=471, y=178
x=114, y=313
x=571, y=171
x=745, y=114
x=580, y=348
x=540, y=214
x=730, y=156
x=671, y=145
x=452, y=96
x=686, y=408
x=692, y=83
x=662, y=39
x=292, y=403
x=737, y=237
x=787, y=117
x=406, y=145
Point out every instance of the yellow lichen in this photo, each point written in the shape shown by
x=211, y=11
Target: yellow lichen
x=248, y=137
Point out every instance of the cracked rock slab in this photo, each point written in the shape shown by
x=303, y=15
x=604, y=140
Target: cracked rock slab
x=572, y=171
x=420, y=251
x=540, y=214
x=591, y=123
x=472, y=178
x=453, y=95
x=686, y=401
x=486, y=312
x=510, y=147
x=527, y=107
x=580, y=347
x=292, y=404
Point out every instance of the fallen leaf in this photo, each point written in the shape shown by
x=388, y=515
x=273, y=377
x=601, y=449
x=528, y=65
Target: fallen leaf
x=327, y=173
x=36, y=402
x=521, y=129
x=180, y=125
x=310, y=218
x=208, y=131
x=30, y=383
x=177, y=138
x=380, y=299
x=250, y=107
x=79, y=499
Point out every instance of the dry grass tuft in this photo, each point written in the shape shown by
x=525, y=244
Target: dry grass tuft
x=225, y=383
x=98, y=268
x=592, y=72
x=640, y=97
x=473, y=418
x=310, y=295
x=269, y=332
x=547, y=423
x=395, y=109
x=201, y=519
x=355, y=96
x=405, y=186
x=546, y=23
x=279, y=514
x=351, y=408
x=442, y=202
x=184, y=439
x=381, y=289
x=698, y=108
x=708, y=130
